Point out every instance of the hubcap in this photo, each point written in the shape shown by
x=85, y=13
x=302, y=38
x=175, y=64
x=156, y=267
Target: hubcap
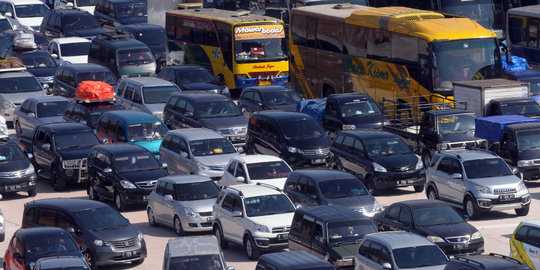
x=432, y=195
x=427, y=160
x=218, y=236
x=249, y=250
x=470, y=208
x=177, y=225
x=151, y=216
x=118, y=202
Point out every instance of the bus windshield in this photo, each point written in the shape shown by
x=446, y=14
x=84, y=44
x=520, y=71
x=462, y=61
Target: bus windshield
x=481, y=11
x=259, y=43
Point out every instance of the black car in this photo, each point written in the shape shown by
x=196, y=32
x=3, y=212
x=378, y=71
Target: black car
x=68, y=77
x=485, y=262
x=259, y=98
x=382, y=159
x=112, y=13
x=512, y=106
x=153, y=36
x=292, y=260
x=437, y=221
x=71, y=22
x=16, y=171
x=193, y=78
x=108, y=236
x=38, y=62
x=351, y=111
x=295, y=137
x=123, y=173
x=89, y=113
x=31, y=244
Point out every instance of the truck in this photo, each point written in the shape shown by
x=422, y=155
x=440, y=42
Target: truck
x=478, y=93
x=428, y=126
x=514, y=138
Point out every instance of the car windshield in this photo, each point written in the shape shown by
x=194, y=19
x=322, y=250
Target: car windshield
x=103, y=76
x=153, y=37
x=359, y=108
x=196, y=262
x=95, y=113
x=75, y=49
x=351, y=230
x=37, y=60
x=130, y=10
x=436, y=215
x=135, y=162
x=419, y=256
x=522, y=108
x=277, y=98
x=302, y=128
x=158, y=94
x=99, y=219
x=210, y=147
x=194, y=76
x=528, y=139
x=268, y=205
x=11, y=152
x=5, y=25
x=148, y=131
x=31, y=10
x=19, y=85
x=75, y=140
x=535, y=86
x=268, y=170
x=86, y=3
x=41, y=40
x=456, y=123
x=220, y=108
x=490, y=167
x=81, y=21
x=57, y=243
x=196, y=191
x=134, y=57
x=342, y=188
x=386, y=147
x=260, y=50
x=53, y=108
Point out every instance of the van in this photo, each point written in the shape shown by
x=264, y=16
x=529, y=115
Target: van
x=112, y=13
x=67, y=77
x=123, y=55
x=292, y=260
x=194, y=252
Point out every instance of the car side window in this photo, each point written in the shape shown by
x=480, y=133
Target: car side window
x=175, y=144
x=47, y=217
x=338, y=141
x=392, y=213
x=29, y=216
x=302, y=185
x=307, y=229
x=237, y=204
x=111, y=131
x=533, y=238
x=65, y=221
x=189, y=108
x=358, y=148
x=69, y=77
x=169, y=190
x=445, y=166
x=160, y=188
x=348, y=144
x=18, y=246
x=240, y=171
x=292, y=183
x=456, y=167
x=364, y=248
x=172, y=102
x=257, y=98
x=24, y=106
x=521, y=234
x=181, y=105
x=137, y=96
x=121, y=88
x=228, y=203
x=248, y=96
x=375, y=252
x=405, y=215
x=231, y=167
x=57, y=21
x=296, y=225
x=121, y=134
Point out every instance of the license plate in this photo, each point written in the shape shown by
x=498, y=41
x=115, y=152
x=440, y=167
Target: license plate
x=265, y=82
x=128, y=254
x=460, y=246
x=506, y=197
x=317, y=161
x=284, y=236
x=404, y=182
x=13, y=188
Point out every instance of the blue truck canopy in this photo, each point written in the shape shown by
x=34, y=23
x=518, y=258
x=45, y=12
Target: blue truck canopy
x=490, y=127
x=313, y=107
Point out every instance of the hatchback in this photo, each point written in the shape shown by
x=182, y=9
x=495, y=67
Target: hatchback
x=37, y=111
x=153, y=36
x=112, y=13
x=88, y=113
x=16, y=171
x=68, y=77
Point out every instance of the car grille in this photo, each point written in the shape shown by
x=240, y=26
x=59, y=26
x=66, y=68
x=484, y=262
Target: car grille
x=402, y=169
x=124, y=243
x=266, y=75
x=281, y=229
x=233, y=131
x=458, y=239
x=205, y=214
x=461, y=145
x=365, y=209
x=146, y=184
x=316, y=152
x=217, y=168
x=15, y=174
x=504, y=190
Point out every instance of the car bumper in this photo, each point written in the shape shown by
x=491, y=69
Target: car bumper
x=400, y=179
x=212, y=174
x=106, y=255
x=271, y=241
x=198, y=224
x=530, y=173
x=239, y=140
x=243, y=83
x=494, y=203
x=299, y=161
x=473, y=247
x=136, y=196
x=25, y=183
x=75, y=175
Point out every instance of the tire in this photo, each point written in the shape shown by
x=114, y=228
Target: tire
x=178, y=226
x=521, y=212
x=328, y=90
x=426, y=159
x=137, y=262
x=119, y=201
x=370, y=184
x=151, y=217
x=251, y=249
x=92, y=195
x=18, y=129
x=224, y=244
x=471, y=209
x=32, y=193
x=431, y=193
x=90, y=259
x=419, y=188
x=59, y=183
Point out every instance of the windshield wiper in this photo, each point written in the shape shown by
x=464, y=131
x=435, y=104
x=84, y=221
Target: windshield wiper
x=109, y=228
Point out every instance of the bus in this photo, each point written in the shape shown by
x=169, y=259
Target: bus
x=239, y=48
x=523, y=36
x=387, y=52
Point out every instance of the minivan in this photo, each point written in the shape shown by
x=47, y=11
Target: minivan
x=68, y=77
x=153, y=36
x=292, y=260
x=112, y=13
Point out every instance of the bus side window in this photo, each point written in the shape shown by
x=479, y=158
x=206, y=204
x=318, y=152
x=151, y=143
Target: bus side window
x=225, y=39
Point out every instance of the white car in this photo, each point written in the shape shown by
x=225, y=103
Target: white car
x=252, y=169
x=87, y=5
x=70, y=49
x=27, y=12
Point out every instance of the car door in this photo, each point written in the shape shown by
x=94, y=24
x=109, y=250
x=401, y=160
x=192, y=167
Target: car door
x=347, y=156
x=456, y=186
x=442, y=178
x=156, y=202
x=318, y=240
x=308, y=193
x=361, y=163
x=29, y=120
x=137, y=102
x=179, y=120
x=389, y=220
x=21, y=113
x=304, y=237
x=168, y=205
x=368, y=256
x=106, y=178
x=331, y=121
x=182, y=155
x=192, y=118
x=44, y=151
x=225, y=216
x=228, y=178
x=15, y=246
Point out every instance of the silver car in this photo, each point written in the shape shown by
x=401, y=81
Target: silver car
x=17, y=86
x=183, y=203
x=197, y=151
x=37, y=111
x=2, y=225
x=194, y=252
x=398, y=250
x=147, y=94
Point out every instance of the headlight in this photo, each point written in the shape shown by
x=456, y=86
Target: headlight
x=482, y=189
x=442, y=146
x=190, y=212
x=292, y=149
x=203, y=167
x=348, y=127
x=521, y=186
x=344, y=262
x=378, y=168
x=419, y=164
x=435, y=239
x=261, y=228
x=159, y=115
x=7, y=105
x=127, y=185
x=30, y=170
x=140, y=236
x=476, y=235
x=525, y=163
x=376, y=207
x=283, y=74
x=98, y=242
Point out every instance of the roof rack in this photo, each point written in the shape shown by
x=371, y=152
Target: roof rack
x=114, y=36
x=268, y=186
x=12, y=69
x=109, y=100
x=232, y=188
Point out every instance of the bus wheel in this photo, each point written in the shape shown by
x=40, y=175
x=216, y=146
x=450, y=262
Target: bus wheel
x=328, y=90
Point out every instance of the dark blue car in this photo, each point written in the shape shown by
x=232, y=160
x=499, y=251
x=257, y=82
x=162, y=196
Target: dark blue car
x=113, y=13
x=70, y=23
x=153, y=36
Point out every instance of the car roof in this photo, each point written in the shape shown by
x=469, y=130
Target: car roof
x=71, y=205
x=15, y=74
x=251, y=159
x=367, y=135
x=32, y=232
x=345, y=97
x=396, y=240
x=253, y=190
x=322, y=174
x=193, y=245
x=24, y=2
x=522, y=126
x=85, y=67
x=124, y=1
x=271, y=88
x=447, y=111
x=282, y=115
x=184, y=67
x=296, y=259
x=121, y=43
x=196, y=133
x=465, y=154
x=47, y=99
x=141, y=26
x=532, y=222
x=70, y=11
x=132, y=117
x=512, y=100
x=121, y=148
x=149, y=81
x=66, y=40
x=61, y=127
x=183, y=179
x=332, y=213
x=493, y=261
x=198, y=97
x=423, y=203
x=57, y=261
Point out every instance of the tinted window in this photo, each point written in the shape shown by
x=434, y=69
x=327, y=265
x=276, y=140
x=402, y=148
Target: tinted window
x=196, y=262
x=135, y=9
x=438, y=215
x=421, y=256
x=342, y=188
x=492, y=167
x=349, y=230
x=302, y=128
x=75, y=140
x=31, y=10
x=211, y=147
x=386, y=147
x=281, y=97
x=213, y=109
x=196, y=191
x=268, y=205
x=146, y=131
x=158, y=94
x=268, y=170
x=80, y=21
x=48, y=109
x=100, y=218
x=19, y=84
x=104, y=76
x=359, y=108
x=11, y=152
x=54, y=243
x=135, y=162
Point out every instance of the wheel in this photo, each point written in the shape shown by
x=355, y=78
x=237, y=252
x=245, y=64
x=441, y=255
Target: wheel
x=328, y=90
x=92, y=194
x=251, y=249
x=178, y=226
x=119, y=202
x=151, y=218
x=370, y=184
x=419, y=188
x=18, y=129
x=471, y=209
x=426, y=159
x=32, y=193
x=432, y=193
x=521, y=212
x=59, y=183
x=137, y=262
x=224, y=244
x=2, y=238
x=90, y=259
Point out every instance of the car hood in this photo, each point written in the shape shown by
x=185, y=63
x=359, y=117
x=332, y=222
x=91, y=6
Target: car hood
x=155, y=108
x=42, y=72
x=288, y=107
x=79, y=59
x=353, y=202
x=152, y=146
x=146, y=175
x=345, y=250
x=117, y=234
x=75, y=153
x=311, y=143
x=458, y=137
x=225, y=122
x=396, y=162
x=198, y=205
x=364, y=121
x=199, y=86
x=276, y=182
x=529, y=154
x=492, y=182
x=216, y=160
x=133, y=20
x=50, y=119
x=434, y=267
x=14, y=165
x=18, y=98
x=272, y=221
x=447, y=230
x=84, y=32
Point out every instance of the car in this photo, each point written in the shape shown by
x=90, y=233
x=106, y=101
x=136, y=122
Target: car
x=61, y=262
x=194, y=252
x=38, y=62
x=197, y=151
x=7, y=24
x=68, y=77
x=398, y=250
x=88, y=113
x=36, y=111
x=17, y=85
x=320, y=187
x=435, y=220
x=291, y=260
x=295, y=137
x=72, y=50
x=193, y=78
x=31, y=244
x=109, y=237
x=123, y=173
x=146, y=94
x=87, y=5
x=2, y=226
x=183, y=203
x=113, y=13
x=453, y=176
x=256, y=216
x=329, y=231
x=259, y=98
x=134, y=127
x=27, y=12
x=153, y=36
x=524, y=243
x=16, y=172
x=512, y=106
x=71, y=22
x=251, y=169
x=213, y=111
x=351, y=111
x=382, y=159
x=485, y=262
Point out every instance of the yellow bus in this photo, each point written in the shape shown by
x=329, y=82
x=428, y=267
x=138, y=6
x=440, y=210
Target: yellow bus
x=387, y=52
x=239, y=48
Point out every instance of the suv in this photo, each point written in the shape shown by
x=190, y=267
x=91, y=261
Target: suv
x=68, y=77
x=476, y=181
x=292, y=260
x=256, y=216
x=193, y=78
x=511, y=106
x=329, y=231
x=89, y=113
x=485, y=262
x=37, y=111
x=16, y=173
x=87, y=5
x=259, y=98
x=108, y=236
x=194, y=252
x=251, y=169
x=146, y=94
x=70, y=50
x=28, y=12
x=112, y=13
x=70, y=23
x=153, y=36
x=17, y=85
x=38, y=62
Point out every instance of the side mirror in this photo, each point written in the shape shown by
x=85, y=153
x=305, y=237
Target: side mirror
x=515, y=171
x=107, y=170
x=240, y=149
x=386, y=265
x=259, y=104
x=298, y=206
x=46, y=146
x=84, y=123
x=30, y=156
x=189, y=114
x=70, y=230
x=69, y=4
x=104, y=140
x=243, y=110
x=168, y=197
x=457, y=176
x=8, y=14
x=240, y=179
x=164, y=165
x=83, y=248
x=54, y=56
x=184, y=154
x=237, y=214
x=230, y=268
x=32, y=115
